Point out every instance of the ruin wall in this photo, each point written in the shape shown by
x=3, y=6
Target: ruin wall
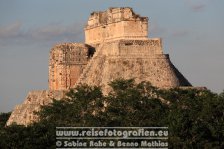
x=23, y=114
x=114, y=24
x=66, y=63
x=130, y=59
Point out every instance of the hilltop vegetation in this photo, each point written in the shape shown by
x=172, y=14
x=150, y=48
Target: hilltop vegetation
x=195, y=117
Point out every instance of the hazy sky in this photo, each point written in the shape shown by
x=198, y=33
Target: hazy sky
x=192, y=33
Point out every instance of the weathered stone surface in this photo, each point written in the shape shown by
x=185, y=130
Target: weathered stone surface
x=115, y=23
x=142, y=60
x=24, y=114
x=66, y=63
x=120, y=48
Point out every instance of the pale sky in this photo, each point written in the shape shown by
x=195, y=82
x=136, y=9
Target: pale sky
x=192, y=33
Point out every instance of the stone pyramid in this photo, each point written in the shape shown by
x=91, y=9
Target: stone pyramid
x=116, y=46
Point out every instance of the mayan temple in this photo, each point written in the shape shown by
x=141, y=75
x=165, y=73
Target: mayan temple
x=116, y=46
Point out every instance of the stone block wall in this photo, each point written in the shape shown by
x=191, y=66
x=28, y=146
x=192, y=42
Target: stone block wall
x=66, y=63
x=23, y=114
x=142, y=60
x=115, y=23
x=129, y=47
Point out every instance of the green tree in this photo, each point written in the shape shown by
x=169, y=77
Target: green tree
x=195, y=117
x=3, y=118
x=78, y=108
x=131, y=104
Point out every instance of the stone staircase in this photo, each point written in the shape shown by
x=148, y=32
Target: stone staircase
x=92, y=63
x=23, y=114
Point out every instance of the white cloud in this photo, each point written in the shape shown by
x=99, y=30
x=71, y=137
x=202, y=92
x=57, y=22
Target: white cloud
x=51, y=33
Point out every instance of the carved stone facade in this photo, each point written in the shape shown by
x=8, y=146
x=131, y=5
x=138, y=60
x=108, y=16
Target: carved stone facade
x=66, y=63
x=114, y=24
x=120, y=48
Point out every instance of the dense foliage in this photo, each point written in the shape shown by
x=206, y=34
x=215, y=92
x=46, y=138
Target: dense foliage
x=195, y=117
x=3, y=118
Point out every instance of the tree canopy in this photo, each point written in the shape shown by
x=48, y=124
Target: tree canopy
x=195, y=118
